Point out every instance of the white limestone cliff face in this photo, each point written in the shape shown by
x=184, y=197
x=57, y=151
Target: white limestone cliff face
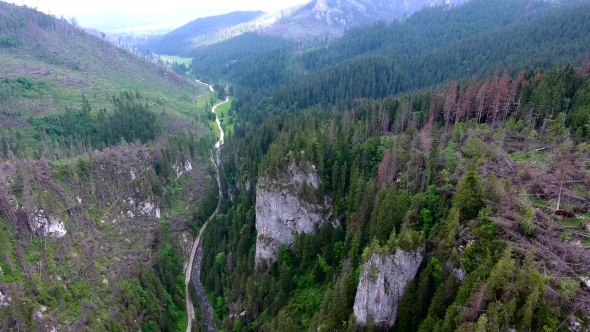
x=382, y=285
x=281, y=213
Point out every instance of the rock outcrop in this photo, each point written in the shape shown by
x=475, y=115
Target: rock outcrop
x=47, y=225
x=5, y=300
x=281, y=212
x=382, y=285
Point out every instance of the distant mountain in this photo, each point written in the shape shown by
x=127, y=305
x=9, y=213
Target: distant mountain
x=333, y=17
x=318, y=18
x=201, y=32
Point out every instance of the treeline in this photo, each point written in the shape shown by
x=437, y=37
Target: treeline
x=441, y=166
x=180, y=69
x=129, y=120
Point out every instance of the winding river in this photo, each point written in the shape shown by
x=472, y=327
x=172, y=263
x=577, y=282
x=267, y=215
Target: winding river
x=193, y=270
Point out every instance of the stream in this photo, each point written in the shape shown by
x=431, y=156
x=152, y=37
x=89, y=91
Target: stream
x=193, y=270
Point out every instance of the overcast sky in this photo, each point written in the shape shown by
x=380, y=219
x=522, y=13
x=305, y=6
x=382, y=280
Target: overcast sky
x=77, y=7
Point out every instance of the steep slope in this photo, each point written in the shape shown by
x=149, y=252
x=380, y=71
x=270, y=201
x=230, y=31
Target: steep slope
x=460, y=208
x=201, y=32
x=48, y=64
x=397, y=43
x=286, y=207
x=104, y=178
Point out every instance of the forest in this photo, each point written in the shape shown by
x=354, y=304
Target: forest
x=376, y=61
x=471, y=170
x=473, y=146
x=210, y=30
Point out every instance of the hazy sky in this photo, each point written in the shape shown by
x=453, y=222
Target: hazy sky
x=76, y=7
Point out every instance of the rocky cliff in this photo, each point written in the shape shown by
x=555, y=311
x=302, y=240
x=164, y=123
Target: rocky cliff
x=282, y=210
x=382, y=285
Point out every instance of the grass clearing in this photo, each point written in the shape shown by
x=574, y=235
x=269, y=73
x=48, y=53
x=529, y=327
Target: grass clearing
x=215, y=129
x=207, y=100
x=222, y=110
x=227, y=122
x=175, y=58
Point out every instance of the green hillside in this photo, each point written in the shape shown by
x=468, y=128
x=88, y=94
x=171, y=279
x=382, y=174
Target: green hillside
x=105, y=178
x=49, y=65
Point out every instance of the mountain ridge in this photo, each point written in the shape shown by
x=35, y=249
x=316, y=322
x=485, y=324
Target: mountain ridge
x=317, y=18
x=200, y=32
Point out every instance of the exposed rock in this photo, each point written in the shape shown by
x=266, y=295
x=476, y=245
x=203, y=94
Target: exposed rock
x=37, y=315
x=5, y=300
x=149, y=208
x=299, y=177
x=458, y=272
x=47, y=225
x=333, y=17
x=382, y=285
x=182, y=168
x=575, y=324
x=145, y=208
x=281, y=213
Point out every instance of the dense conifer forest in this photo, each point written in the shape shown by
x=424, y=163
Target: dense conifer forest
x=466, y=135
x=477, y=161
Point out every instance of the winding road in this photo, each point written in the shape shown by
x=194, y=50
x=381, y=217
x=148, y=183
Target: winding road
x=189, y=269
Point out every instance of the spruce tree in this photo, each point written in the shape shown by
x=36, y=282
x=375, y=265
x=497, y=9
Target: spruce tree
x=468, y=198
